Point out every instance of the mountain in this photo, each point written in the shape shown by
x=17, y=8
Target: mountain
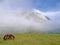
x=34, y=16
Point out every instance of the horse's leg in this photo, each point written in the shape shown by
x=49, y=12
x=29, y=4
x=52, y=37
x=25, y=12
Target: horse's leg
x=4, y=37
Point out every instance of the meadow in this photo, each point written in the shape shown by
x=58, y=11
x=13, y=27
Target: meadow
x=32, y=39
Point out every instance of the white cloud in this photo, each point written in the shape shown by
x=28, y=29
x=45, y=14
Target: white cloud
x=54, y=15
x=9, y=18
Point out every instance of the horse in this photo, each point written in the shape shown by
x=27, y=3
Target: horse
x=8, y=36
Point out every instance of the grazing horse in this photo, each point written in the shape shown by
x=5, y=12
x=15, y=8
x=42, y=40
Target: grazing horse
x=8, y=36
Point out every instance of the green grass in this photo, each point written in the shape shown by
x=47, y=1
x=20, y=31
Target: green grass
x=32, y=39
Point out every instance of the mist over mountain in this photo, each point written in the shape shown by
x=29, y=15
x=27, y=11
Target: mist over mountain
x=21, y=22
x=21, y=16
x=25, y=22
x=34, y=16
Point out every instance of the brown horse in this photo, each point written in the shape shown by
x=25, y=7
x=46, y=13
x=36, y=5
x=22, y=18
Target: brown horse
x=8, y=36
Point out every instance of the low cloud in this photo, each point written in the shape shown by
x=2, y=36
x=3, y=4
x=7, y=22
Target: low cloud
x=12, y=21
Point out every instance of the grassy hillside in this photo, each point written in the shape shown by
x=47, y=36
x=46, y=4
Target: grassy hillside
x=32, y=39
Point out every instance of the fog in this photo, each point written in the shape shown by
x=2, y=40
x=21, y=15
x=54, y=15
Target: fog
x=11, y=22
